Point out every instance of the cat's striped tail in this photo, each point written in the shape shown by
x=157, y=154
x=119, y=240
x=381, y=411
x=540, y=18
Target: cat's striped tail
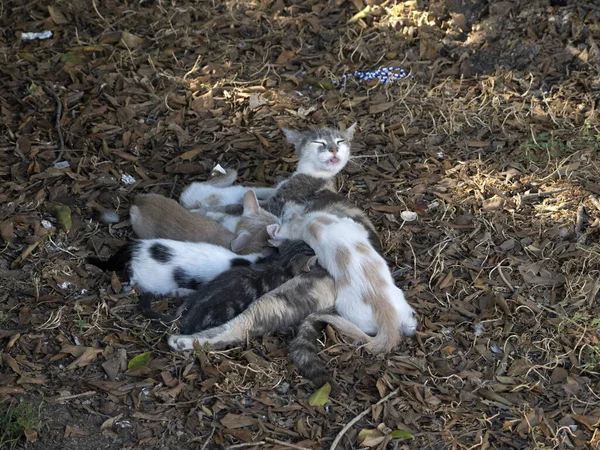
x=304, y=348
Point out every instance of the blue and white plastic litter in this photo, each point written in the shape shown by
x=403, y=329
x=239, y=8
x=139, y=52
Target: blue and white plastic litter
x=384, y=75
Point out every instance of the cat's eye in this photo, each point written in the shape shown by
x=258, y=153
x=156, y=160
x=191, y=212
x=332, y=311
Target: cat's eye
x=321, y=143
x=340, y=141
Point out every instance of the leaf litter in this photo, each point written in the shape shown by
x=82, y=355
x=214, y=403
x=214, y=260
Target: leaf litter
x=480, y=171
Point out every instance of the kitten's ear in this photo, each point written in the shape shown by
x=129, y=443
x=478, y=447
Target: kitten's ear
x=295, y=216
x=241, y=241
x=294, y=137
x=273, y=230
x=310, y=263
x=349, y=133
x=251, y=205
x=275, y=242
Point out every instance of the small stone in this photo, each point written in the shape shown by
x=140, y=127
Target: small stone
x=409, y=216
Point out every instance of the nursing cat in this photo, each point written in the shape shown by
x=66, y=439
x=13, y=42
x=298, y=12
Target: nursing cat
x=365, y=291
x=218, y=301
x=323, y=153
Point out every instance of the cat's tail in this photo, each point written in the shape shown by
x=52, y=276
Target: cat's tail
x=224, y=180
x=116, y=262
x=304, y=350
x=388, y=331
x=145, y=305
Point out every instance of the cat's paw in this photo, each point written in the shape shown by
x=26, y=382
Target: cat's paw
x=181, y=343
x=408, y=321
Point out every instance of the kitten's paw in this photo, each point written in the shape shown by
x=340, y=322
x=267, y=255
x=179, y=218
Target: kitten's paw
x=408, y=321
x=181, y=343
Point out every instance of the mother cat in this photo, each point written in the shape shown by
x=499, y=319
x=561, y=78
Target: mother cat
x=323, y=154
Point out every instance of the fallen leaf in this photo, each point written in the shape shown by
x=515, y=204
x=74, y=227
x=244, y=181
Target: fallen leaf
x=285, y=57
x=115, y=283
x=74, y=431
x=320, y=396
x=63, y=217
x=237, y=421
x=380, y=107
x=368, y=433
x=7, y=231
x=57, y=16
x=108, y=423
x=31, y=436
x=402, y=434
x=88, y=356
x=131, y=40
x=140, y=360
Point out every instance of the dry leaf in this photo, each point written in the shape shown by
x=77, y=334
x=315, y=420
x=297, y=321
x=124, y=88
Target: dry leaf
x=57, y=16
x=87, y=357
x=237, y=421
x=131, y=40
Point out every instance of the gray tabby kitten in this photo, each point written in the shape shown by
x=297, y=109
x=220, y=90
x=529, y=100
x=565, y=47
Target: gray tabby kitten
x=307, y=300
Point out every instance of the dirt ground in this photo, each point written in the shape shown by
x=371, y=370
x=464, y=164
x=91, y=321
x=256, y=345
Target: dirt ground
x=493, y=141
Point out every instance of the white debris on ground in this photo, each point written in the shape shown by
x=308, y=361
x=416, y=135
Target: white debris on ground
x=127, y=179
x=33, y=36
x=409, y=216
x=219, y=168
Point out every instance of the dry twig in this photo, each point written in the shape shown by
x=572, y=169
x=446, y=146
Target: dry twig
x=59, y=108
x=349, y=425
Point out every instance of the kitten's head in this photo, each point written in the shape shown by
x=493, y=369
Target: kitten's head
x=251, y=228
x=289, y=229
x=323, y=152
x=297, y=255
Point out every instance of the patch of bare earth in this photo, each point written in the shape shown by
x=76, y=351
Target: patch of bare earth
x=493, y=141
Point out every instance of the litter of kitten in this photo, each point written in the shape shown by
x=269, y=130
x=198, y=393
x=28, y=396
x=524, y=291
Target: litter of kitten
x=34, y=36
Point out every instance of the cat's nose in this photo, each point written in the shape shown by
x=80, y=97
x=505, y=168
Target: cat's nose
x=333, y=150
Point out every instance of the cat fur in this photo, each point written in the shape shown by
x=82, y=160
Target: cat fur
x=155, y=216
x=165, y=266
x=218, y=301
x=365, y=291
x=322, y=152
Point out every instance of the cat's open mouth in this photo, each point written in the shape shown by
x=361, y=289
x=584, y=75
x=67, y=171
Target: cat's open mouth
x=334, y=160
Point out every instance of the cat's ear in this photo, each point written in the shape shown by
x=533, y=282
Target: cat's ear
x=251, y=205
x=349, y=133
x=273, y=230
x=310, y=263
x=294, y=137
x=241, y=241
